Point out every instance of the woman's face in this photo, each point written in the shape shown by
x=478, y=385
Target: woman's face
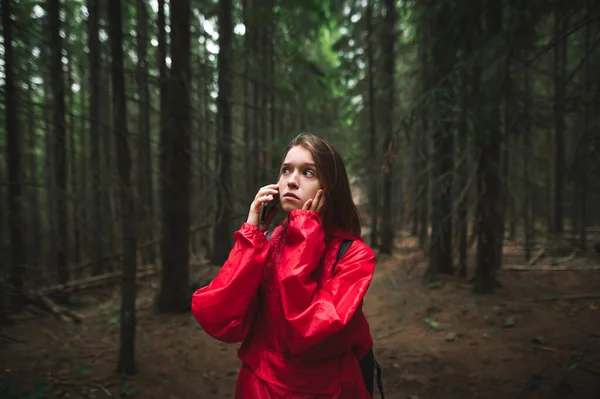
x=298, y=181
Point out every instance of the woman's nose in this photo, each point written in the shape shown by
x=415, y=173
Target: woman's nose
x=292, y=181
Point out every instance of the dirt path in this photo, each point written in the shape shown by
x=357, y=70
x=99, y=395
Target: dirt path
x=437, y=343
x=448, y=343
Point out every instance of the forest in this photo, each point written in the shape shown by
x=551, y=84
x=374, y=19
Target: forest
x=135, y=134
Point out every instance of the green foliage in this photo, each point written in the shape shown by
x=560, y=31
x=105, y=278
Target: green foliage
x=434, y=325
x=115, y=320
x=84, y=370
x=125, y=390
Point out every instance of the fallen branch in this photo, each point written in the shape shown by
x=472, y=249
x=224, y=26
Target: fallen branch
x=546, y=349
x=8, y=338
x=537, y=257
x=567, y=297
x=58, y=381
x=589, y=370
x=588, y=229
x=49, y=333
x=550, y=268
x=94, y=281
x=563, y=260
x=39, y=299
x=106, y=391
x=552, y=298
x=36, y=311
x=390, y=333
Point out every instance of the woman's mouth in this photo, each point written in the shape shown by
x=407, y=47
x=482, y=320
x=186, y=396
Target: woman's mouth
x=291, y=196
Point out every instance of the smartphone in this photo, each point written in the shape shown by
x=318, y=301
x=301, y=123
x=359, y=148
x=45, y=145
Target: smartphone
x=268, y=207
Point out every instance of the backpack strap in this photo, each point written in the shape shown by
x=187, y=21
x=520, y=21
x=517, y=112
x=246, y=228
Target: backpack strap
x=368, y=364
x=343, y=248
x=371, y=372
x=379, y=382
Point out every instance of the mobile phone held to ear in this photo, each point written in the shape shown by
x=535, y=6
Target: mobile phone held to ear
x=267, y=208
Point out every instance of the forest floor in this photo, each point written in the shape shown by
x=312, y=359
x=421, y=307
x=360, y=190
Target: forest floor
x=531, y=339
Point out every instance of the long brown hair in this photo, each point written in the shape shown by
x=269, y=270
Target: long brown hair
x=340, y=210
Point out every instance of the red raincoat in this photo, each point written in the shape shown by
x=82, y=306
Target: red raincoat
x=301, y=326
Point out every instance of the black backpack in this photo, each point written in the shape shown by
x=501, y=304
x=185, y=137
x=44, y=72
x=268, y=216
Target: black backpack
x=368, y=363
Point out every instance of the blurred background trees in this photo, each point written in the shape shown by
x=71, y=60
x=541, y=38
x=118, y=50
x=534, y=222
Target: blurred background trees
x=135, y=134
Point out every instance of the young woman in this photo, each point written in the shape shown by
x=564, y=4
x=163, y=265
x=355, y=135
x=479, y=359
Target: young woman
x=298, y=317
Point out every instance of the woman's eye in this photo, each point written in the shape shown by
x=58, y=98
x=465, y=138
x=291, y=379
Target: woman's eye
x=285, y=170
x=309, y=173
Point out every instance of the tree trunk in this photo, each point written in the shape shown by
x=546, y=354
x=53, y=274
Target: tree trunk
x=201, y=103
x=49, y=165
x=72, y=190
x=83, y=178
x=256, y=142
x=423, y=123
x=144, y=159
x=275, y=151
x=13, y=155
x=32, y=233
x=248, y=111
x=107, y=148
x=414, y=185
x=95, y=124
x=175, y=294
x=128, y=284
x=373, y=153
x=560, y=80
x=263, y=111
x=223, y=234
x=34, y=258
x=549, y=180
x=208, y=123
x=60, y=176
x=582, y=176
x=489, y=171
x=462, y=168
x=387, y=122
x=528, y=220
x=443, y=57
x=196, y=202
x=164, y=117
x=506, y=139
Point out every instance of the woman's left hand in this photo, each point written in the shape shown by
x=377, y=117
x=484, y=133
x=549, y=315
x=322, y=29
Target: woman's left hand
x=315, y=204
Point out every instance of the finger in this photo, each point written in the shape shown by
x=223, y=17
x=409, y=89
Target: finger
x=269, y=187
x=319, y=201
x=312, y=203
x=266, y=191
x=265, y=198
x=261, y=200
x=322, y=202
x=307, y=204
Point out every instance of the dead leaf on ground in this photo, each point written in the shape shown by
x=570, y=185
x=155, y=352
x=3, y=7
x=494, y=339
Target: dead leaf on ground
x=408, y=377
x=546, y=348
x=509, y=322
x=451, y=337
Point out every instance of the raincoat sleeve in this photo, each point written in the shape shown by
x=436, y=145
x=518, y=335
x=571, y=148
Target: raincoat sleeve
x=225, y=308
x=315, y=313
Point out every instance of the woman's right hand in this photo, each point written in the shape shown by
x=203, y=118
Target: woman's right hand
x=265, y=194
